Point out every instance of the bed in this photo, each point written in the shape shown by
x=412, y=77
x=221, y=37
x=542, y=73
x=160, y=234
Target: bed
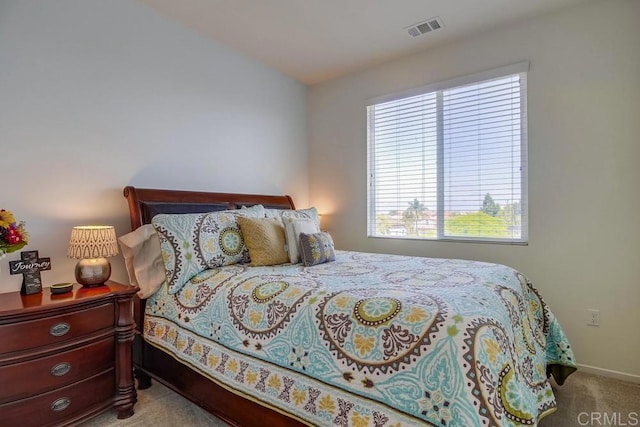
x=364, y=340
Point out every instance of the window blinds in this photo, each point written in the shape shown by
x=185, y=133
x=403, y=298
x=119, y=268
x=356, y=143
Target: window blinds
x=450, y=163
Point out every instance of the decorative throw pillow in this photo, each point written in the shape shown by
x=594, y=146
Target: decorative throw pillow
x=143, y=259
x=292, y=229
x=192, y=243
x=265, y=240
x=316, y=248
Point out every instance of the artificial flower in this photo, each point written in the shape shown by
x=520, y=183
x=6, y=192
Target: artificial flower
x=6, y=218
x=13, y=235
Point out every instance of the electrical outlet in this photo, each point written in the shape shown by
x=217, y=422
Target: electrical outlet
x=594, y=317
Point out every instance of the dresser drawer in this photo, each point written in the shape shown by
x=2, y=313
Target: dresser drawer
x=39, y=375
x=58, y=405
x=54, y=329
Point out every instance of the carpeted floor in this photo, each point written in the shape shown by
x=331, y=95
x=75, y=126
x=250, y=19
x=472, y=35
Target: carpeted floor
x=584, y=400
x=591, y=400
x=159, y=406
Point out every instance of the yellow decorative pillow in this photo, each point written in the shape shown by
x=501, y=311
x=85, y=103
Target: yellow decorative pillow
x=264, y=237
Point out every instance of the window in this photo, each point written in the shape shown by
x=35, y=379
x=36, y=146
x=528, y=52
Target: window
x=449, y=161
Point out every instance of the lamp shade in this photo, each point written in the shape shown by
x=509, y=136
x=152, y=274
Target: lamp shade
x=92, y=241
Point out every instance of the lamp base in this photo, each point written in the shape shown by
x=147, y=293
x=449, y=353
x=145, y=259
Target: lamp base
x=92, y=272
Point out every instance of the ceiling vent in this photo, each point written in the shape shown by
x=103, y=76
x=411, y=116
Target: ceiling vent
x=431, y=24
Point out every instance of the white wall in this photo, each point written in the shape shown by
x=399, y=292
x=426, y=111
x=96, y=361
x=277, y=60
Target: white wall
x=96, y=95
x=584, y=149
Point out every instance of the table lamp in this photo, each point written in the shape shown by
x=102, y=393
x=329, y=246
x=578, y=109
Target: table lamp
x=92, y=244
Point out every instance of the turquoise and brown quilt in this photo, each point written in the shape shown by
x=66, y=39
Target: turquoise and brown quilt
x=371, y=340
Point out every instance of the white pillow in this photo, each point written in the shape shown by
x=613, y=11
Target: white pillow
x=143, y=259
x=292, y=229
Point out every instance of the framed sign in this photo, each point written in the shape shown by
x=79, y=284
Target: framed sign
x=30, y=267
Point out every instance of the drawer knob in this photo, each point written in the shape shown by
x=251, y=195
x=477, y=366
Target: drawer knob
x=60, y=404
x=61, y=369
x=59, y=329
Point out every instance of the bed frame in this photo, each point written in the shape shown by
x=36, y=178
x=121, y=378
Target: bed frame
x=151, y=362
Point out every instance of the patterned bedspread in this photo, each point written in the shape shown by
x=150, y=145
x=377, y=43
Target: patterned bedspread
x=370, y=339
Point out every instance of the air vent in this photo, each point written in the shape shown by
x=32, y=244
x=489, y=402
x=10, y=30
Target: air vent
x=431, y=24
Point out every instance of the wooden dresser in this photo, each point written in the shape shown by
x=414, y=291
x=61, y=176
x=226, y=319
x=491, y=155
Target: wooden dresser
x=65, y=358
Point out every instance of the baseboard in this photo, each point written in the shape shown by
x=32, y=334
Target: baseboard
x=622, y=376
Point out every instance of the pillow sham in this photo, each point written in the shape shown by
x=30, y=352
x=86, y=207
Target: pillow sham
x=265, y=240
x=309, y=213
x=292, y=229
x=192, y=243
x=316, y=248
x=143, y=259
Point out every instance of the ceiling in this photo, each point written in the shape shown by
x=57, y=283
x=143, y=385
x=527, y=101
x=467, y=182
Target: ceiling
x=316, y=40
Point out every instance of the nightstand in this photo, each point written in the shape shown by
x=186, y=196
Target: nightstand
x=65, y=358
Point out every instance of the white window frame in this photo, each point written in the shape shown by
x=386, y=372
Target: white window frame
x=519, y=68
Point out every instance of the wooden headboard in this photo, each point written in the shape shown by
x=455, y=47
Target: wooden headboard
x=145, y=203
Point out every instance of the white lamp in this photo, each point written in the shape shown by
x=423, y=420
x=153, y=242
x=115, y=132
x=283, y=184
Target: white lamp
x=91, y=244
